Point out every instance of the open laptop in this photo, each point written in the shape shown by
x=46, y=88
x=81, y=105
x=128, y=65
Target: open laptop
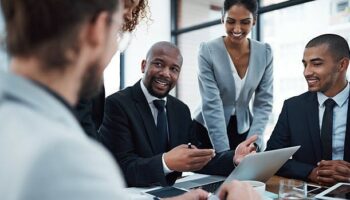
x=260, y=167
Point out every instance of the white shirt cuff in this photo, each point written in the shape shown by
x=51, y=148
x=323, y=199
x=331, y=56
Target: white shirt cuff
x=166, y=169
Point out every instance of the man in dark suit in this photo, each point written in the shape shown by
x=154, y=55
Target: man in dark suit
x=318, y=120
x=150, y=145
x=89, y=113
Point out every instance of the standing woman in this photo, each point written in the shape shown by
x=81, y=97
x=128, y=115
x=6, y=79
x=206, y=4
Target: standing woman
x=232, y=69
x=90, y=111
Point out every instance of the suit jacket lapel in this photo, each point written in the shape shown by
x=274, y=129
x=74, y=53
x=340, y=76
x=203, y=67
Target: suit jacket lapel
x=253, y=70
x=171, y=115
x=146, y=115
x=313, y=121
x=225, y=68
x=311, y=106
x=347, y=136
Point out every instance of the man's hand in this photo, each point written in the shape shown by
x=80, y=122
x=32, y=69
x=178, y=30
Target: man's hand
x=330, y=172
x=313, y=175
x=244, y=148
x=197, y=194
x=236, y=190
x=182, y=158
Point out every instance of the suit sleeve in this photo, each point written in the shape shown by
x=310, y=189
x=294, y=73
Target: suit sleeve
x=212, y=106
x=280, y=138
x=116, y=133
x=262, y=105
x=221, y=164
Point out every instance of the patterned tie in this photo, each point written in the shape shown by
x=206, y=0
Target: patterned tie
x=162, y=127
x=327, y=129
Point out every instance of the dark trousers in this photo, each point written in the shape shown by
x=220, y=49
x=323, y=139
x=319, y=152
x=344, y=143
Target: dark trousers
x=233, y=137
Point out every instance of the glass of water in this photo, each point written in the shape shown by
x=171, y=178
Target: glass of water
x=292, y=189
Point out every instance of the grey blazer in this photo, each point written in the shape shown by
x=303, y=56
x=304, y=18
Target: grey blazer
x=44, y=153
x=217, y=88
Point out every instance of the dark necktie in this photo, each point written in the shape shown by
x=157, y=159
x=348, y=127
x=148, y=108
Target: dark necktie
x=327, y=130
x=162, y=127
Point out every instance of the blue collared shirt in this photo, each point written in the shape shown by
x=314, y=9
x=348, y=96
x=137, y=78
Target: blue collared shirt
x=339, y=120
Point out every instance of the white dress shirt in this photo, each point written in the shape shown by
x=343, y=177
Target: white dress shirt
x=339, y=120
x=154, y=111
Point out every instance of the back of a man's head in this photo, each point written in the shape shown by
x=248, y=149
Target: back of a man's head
x=47, y=28
x=337, y=45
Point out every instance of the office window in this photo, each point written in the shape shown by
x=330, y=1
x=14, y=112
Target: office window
x=111, y=75
x=188, y=43
x=288, y=30
x=193, y=12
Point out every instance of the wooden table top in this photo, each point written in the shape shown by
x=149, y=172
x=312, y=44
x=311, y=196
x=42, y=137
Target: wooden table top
x=272, y=185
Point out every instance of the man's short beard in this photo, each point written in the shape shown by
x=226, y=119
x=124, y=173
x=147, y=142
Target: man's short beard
x=92, y=82
x=153, y=93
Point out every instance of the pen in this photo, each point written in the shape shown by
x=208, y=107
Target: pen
x=189, y=145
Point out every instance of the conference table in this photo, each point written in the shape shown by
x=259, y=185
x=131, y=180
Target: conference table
x=272, y=185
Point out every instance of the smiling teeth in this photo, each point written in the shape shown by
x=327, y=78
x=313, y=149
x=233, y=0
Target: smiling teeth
x=161, y=82
x=311, y=80
x=236, y=35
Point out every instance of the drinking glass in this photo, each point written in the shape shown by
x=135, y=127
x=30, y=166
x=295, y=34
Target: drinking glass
x=292, y=189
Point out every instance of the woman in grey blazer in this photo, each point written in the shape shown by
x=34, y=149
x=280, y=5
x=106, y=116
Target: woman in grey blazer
x=232, y=69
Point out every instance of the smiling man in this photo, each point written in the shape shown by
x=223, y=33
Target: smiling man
x=147, y=130
x=160, y=83
x=318, y=120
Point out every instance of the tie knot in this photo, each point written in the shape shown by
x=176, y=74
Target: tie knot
x=329, y=103
x=159, y=104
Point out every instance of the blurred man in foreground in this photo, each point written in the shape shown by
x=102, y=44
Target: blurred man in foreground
x=58, y=52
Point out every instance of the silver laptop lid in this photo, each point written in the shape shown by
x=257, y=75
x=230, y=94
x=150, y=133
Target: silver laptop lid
x=261, y=166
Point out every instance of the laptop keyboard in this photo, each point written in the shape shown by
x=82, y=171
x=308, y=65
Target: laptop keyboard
x=210, y=187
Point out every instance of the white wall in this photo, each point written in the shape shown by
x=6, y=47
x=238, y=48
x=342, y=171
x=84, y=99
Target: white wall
x=145, y=36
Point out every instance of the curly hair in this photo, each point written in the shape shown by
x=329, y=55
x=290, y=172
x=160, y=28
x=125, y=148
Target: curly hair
x=138, y=14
